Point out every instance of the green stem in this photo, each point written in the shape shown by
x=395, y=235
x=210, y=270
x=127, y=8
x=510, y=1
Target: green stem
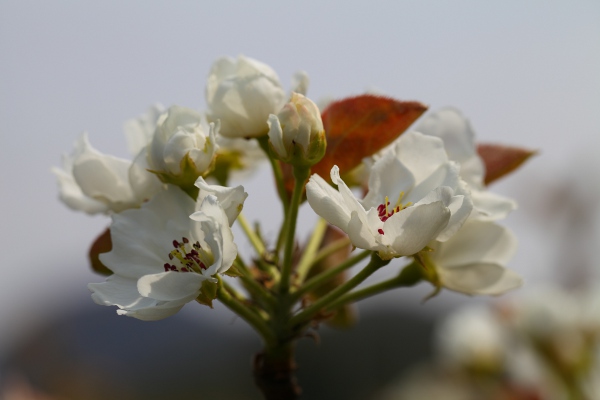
x=330, y=249
x=256, y=242
x=246, y=313
x=308, y=255
x=325, y=276
x=263, y=141
x=257, y=291
x=311, y=311
x=409, y=276
x=301, y=175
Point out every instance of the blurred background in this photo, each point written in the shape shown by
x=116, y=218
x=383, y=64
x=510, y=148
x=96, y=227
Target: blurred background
x=524, y=73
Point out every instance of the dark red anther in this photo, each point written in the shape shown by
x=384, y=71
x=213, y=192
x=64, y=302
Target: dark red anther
x=185, y=240
x=175, y=243
x=380, y=231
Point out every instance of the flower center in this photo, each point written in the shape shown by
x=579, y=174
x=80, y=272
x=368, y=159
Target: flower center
x=187, y=256
x=384, y=211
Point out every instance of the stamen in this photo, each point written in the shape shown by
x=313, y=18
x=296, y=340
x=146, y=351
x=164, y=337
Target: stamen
x=189, y=261
x=383, y=212
x=381, y=231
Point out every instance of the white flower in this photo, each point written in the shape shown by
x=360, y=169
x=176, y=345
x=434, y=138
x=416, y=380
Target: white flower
x=161, y=256
x=473, y=337
x=98, y=183
x=459, y=140
x=473, y=260
x=415, y=196
x=242, y=93
x=179, y=140
x=296, y=133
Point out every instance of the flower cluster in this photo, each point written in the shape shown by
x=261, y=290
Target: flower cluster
x=173, y=205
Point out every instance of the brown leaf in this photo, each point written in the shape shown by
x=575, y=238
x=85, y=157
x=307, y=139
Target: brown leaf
x=102, y=244
x=358, y=127
x=501, y=160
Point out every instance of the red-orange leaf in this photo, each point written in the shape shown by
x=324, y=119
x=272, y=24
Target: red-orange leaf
x=102, y=244
x=358, y=127
x=501, y=160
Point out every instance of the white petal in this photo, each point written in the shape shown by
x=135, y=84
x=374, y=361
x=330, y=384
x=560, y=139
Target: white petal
x=477, y=242
x=482, y=278
x=231, y=198
x=142, y=237
x=490, y=206
x=327, y=202
x=103, y=177
x=70, y=193
x=389, y=177
x=170, y=286
x=300, y=82
x=276, y=136
x=139, y=131
x=217, y=235
x=118, y=291
x=414, y=227
x=421, y=154
x=144, y=184
x=153, y=313
x=361, y=233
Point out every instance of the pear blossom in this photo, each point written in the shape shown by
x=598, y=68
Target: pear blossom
x=296, y=133
x=242, y=93
x=459, y=141
x=179, y=141
x=454, y=338
x=163, y=251
x=473, y=260
x=415, y=196
x=94, y=182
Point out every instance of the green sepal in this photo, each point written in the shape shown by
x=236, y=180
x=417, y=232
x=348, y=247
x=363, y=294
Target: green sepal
x=411, y=274
x=428, y=272
x=185, y=179
x=225, y=162
x=233, y=271
x=208, y=292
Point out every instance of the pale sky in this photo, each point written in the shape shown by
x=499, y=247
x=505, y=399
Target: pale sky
x=525, y=73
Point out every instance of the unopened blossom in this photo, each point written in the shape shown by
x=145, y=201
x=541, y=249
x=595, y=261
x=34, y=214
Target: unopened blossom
x=473, y=261
x=459, y=141
x=94, y=182
x=296, y=133
x=180, y=146
x=160, y=255
x=415, y=196
x=242, y=93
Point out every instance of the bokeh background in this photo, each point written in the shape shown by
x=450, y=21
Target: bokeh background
x=524, y=73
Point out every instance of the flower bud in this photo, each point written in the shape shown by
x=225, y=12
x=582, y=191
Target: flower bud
x=180, y=150
x=296, y=133
x=242, y=93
